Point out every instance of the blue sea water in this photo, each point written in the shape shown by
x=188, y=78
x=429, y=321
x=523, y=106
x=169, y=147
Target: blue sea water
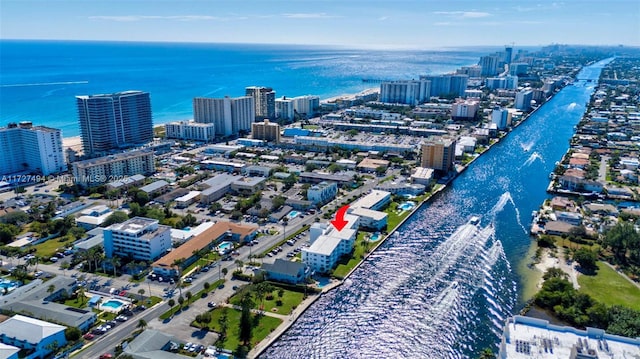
x=40, y=79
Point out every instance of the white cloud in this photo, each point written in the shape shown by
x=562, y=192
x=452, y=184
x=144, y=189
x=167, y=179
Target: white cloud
x=383, y=18
x=131, y=18
x=318, y=15
x=464, y=14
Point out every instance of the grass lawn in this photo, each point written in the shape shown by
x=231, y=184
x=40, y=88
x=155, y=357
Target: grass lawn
x=290, y=299
x=77, y=303
x=264, y=326
x=610, y=288
x=48, y=248
x=393, y=218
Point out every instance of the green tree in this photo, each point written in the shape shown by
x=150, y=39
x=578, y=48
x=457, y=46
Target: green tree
x=142, y=324
x=181, y=301
x=171, y=303
x=72, y=334
x=223, y=322
x=619, y=237
x=586, y=259
x=8, y=232
x=246, y=322
x=115, y=217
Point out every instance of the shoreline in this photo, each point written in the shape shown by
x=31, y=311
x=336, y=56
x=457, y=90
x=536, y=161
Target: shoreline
x=262, y=346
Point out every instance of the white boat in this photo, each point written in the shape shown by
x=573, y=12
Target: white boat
x=475, y=220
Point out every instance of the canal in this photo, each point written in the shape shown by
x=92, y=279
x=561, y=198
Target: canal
x=440, y=287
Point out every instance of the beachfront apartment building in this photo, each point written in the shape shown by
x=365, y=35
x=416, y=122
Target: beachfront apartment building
x=439, y=154
x=101, y=170
x=114, y=121
x=140, y=238
x=265, y=130
x=25, y=148
x=410, y=92
x=264, y=101
x=285, y=109
x=306, y=106
x=33, y=338
x=191, y=131
x=230, y=116
x=447, y=85
x=322, y=192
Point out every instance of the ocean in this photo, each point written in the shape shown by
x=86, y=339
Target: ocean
x=40, y=79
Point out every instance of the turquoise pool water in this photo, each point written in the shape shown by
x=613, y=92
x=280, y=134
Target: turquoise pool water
x=406, y=206
x=9, y=285
x=322, y=281
x=293, y=214
x=375, y=237
x=225, y=247
x=115, y=304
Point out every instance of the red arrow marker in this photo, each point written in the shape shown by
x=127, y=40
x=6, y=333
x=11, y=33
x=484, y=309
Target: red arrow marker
x=339, y=222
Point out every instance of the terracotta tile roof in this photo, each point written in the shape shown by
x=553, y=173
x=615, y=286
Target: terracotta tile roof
x=203, y=240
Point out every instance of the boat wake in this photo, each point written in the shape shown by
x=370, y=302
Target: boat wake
x=46, y=84
x=502, y=202
x=534, y=156
x=572, y=106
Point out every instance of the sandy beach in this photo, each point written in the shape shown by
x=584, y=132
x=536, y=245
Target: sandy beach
x=550, y=260
x=72, y=142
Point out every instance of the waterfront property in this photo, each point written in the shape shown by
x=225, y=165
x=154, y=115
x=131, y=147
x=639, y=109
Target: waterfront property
x=286, y=271
x=525, y=337
x=329, y=244
x=34, y=338
x=375, y=200
x=28, y=149
x=140, y=238
x=112, y=305
x=99, y=114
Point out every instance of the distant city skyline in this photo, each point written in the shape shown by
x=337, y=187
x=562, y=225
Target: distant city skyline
x=369, y=24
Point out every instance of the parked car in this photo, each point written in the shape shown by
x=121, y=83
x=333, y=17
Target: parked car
x=88, y=336
x=211, y=304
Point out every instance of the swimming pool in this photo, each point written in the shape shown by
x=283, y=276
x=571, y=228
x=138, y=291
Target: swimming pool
x=8, y=285
x=406, y=206
x=225, y=247
x=112, y=305
x=293, y=214
x=375, y=237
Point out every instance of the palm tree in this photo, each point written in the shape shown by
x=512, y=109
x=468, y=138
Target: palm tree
x=80, y=295
x=142, y=324
x=171, y=303
x=239, y=263
x=141, y=293
x=51, y=288
x=181, y=301
x=115, y=262
x=188, y=295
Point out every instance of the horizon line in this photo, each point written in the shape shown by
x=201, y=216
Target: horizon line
x=345, y=46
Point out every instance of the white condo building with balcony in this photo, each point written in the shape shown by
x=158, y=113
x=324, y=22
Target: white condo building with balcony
x=140, y=238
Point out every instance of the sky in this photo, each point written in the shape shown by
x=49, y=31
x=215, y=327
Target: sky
x=353, y=23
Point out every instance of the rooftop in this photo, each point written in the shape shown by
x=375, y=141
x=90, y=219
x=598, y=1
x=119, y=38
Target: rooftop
x=525, y=337
x=371, y=199
x=324, y=245
x=145, y=228
x=204, y=239
x=112, y=158
x=283, y=267
x=29, y=329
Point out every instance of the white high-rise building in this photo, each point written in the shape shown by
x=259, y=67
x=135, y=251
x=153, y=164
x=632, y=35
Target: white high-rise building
x=405, y=92
x=285, y=109
x=306, y=106
x=191, y=131
x=139, y=238
x=230, y=116
x=25, y=148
